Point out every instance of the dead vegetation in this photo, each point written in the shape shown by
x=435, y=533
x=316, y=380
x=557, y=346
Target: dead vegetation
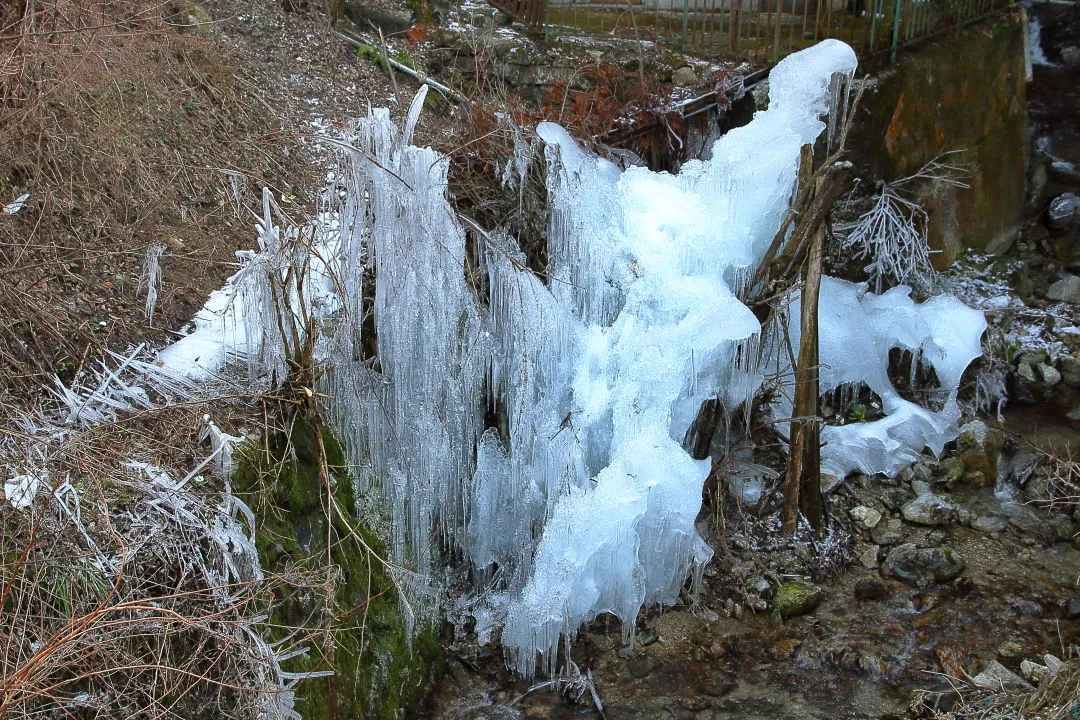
x=117, y=118
x=132, y=588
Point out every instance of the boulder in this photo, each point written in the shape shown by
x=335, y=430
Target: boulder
x=684, y=76
x=989, y=524
x=889, y=532
x=871, y=589
x=796, y=598
x=921, y=567
x=1067, y=289
x=865, y=517
x=929, y=509
x=997, y=677
x=1062, y=211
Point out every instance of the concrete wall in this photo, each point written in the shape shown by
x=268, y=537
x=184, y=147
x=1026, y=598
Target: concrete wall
x=964, y=92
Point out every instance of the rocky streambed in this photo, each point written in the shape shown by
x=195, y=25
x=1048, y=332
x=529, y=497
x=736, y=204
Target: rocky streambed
x=926, y=581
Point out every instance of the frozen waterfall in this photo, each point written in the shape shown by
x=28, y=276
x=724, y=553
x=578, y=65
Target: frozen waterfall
x=582, y=500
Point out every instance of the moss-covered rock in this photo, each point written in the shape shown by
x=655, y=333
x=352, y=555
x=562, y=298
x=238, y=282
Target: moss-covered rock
x=792, y=599
x=380, y=672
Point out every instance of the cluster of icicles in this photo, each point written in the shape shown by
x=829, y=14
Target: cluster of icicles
x=583, y=500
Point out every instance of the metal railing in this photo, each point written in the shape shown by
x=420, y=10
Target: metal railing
x=761, y=31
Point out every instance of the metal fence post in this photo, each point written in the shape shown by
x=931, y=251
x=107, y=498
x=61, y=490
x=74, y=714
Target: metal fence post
x=685, y=22
x=898, y=11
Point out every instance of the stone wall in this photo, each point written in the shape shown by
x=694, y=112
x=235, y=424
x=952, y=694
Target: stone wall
x=963, y=92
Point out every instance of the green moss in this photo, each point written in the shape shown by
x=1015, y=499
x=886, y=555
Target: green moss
x=379, y=673
x=795, y=598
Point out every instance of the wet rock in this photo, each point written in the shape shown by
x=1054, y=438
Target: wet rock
x=1063, y=527
x=929, y=509
x=1070, y=55
x=997, y=677
x=871, y=589
x=963, y=515
x=865, y=517
x=796, y=598
x=889, y=532
x=1010, y=649
x=1026, y=372
x=954, y=470
x=1066, y=289
x=641, y=666
x=1048, y=375
x=1062, y=211
x=829, y=483
x=1070, y=370
x=716, y=686
x=1026, y=521
x=1072, y=609
x=868, y=558
x=980, y=445
x=684, y=76
x=989, y=524
x=920, y=567
x=919, y=487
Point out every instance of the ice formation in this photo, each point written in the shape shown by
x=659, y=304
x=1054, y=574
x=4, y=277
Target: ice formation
x=582, y=499
x=857, y=329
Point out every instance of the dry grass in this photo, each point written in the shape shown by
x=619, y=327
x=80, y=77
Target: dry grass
x=1058, y=698
x=126, y=594
x=117, y=117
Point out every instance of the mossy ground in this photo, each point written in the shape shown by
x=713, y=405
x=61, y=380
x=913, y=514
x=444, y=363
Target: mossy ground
x=379, y=672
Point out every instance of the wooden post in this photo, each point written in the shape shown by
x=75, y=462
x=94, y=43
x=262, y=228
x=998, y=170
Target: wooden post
x=802, y=485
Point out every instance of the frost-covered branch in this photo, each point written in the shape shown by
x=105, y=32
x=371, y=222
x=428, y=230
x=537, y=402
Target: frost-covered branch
x=892, y=235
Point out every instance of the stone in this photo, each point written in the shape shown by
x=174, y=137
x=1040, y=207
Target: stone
x=868, y=558
x=1033, y=671
x=929, y=509
x=921, y=567
x=871, y=589
x=919, y=487
x=1070, y=55
x=964, y=516
x=1062, y=211
x=954, y=470
x=1049, y=375
x=889, y=532
x=1025, y=371
x=684, y=76
x=1063, y=528
x=1072, y=609
x=1053, y=663
x=829, y=483
x=716, y=686
x=795, y=598
x=1066, y=289
x=865, y=517
x=951, y=659
x=989, y=524
x=997, y=677
x=1010, y=649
